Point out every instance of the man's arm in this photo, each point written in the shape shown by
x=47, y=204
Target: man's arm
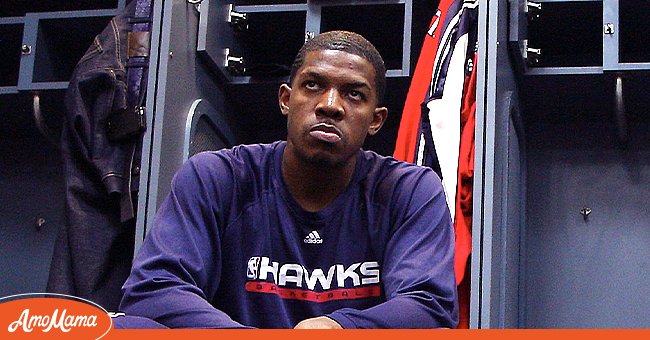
x=418, y=270
x=177, y=270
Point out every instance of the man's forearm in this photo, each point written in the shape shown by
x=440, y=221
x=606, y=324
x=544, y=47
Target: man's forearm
x=400, y=312
x=181, y=310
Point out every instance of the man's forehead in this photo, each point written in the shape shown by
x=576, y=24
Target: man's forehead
x=339, y=59
x=334, y=54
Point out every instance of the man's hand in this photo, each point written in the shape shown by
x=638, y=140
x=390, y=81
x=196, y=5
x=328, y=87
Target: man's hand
x=321, y=322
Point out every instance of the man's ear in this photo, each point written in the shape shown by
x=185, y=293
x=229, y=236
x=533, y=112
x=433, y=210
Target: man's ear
x=284, y=94
x=378, y=120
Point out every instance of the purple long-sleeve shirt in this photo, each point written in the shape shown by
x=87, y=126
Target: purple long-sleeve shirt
x=230, y=247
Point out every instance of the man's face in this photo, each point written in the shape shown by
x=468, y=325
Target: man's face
x=331, y=107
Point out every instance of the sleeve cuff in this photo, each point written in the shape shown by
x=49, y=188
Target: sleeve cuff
x=342, y=320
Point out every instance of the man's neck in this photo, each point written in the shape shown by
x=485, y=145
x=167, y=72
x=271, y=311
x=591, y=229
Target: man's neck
x=314, y=186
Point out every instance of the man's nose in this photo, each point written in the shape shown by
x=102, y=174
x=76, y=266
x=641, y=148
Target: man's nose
x=330, y=104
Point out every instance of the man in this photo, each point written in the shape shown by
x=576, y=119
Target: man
x=309, y=233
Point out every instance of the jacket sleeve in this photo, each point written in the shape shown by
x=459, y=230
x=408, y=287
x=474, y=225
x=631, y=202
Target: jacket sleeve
x=418, y=270
x=178, y=268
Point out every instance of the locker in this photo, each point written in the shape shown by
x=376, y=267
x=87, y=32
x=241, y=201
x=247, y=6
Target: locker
x=565, y=166
x=41, y=43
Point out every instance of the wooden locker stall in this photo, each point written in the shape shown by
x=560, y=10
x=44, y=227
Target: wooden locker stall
x=565, y=163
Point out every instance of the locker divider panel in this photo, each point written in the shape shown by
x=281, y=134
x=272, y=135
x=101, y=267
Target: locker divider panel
x=495, y=271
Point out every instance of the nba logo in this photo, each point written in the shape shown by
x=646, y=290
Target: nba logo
x=253, y=265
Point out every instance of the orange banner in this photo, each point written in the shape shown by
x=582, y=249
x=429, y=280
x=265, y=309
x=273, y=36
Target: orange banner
x=52, y=316
x=446, y=334
x=48, y=316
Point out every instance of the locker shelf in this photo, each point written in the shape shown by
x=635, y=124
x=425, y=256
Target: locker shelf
x=633, y=40
x=569, y=34
x=385, y=28
x=387, y=25
x=60, y=45
x=265, y=33
x=21, y=7
x=11, y=37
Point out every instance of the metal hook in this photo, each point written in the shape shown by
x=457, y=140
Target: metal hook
x=238, y=21
x=621, y=118
x=197, y=5
x=40, y=122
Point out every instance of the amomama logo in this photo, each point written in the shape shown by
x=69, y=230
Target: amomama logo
x=35, y=315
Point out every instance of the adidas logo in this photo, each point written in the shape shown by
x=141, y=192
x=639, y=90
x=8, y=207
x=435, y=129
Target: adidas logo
x=313, y=238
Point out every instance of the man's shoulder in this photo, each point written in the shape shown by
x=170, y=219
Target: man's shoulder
x=387, y=167
x=242, y=151
x=242, y=163
x=391, y=180
x=242, y=172
x=244, y=155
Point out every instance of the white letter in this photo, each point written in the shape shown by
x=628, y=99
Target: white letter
x=62, y=320
x=297, y=278
x=80, y=320
x=35, y=321
x=266, y=269
x=22, y=321
x=49, y=323
x=69, y=321
x=92, y=321
x=370, y=269
x=317, y=275
x=342, y=274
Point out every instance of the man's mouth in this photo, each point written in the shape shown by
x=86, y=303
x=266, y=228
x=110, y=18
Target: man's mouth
x=325, y=132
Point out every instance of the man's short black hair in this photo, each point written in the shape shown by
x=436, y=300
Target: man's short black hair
x=349, y=42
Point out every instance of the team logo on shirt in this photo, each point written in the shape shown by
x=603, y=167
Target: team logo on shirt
x=313, y=238
x=253, y=265
x=295, y=281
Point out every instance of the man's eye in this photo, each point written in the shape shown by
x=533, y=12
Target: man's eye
x=311, y=85
x=355, y=94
